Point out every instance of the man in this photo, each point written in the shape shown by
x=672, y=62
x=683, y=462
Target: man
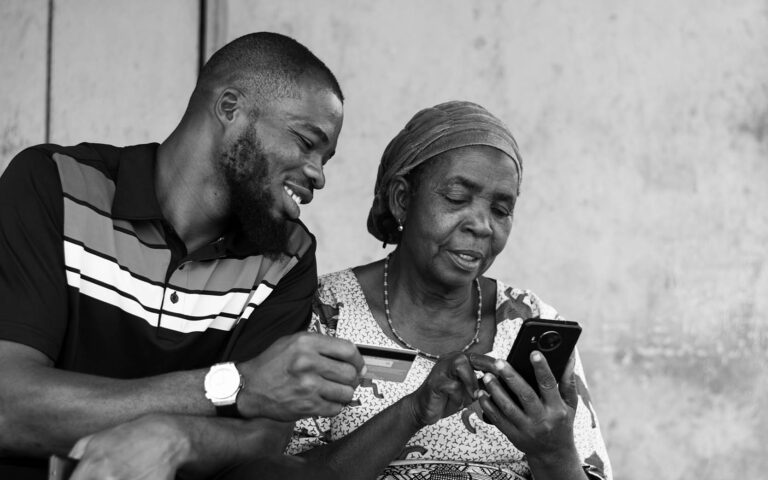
x=145, y=289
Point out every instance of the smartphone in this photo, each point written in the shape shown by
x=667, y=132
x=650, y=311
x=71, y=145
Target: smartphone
x=555, y=339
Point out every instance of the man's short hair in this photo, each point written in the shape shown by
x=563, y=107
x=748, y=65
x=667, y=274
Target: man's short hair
x=265, y=64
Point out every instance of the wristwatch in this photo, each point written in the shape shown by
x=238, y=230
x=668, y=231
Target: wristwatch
x=222, y=384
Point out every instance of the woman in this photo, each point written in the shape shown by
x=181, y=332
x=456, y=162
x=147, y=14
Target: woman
x=445, y=194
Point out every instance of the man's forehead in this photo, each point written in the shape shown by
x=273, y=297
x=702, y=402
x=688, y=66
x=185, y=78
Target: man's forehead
x=319, y=111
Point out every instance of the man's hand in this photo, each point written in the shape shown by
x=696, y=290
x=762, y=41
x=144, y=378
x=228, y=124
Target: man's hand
x=150, y=447
x=298, y=376
x=450, y=386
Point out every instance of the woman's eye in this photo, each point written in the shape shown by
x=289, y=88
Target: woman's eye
x=502, y=211
x=456, y=200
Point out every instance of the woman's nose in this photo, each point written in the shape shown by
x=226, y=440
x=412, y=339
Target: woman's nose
x=479, y=222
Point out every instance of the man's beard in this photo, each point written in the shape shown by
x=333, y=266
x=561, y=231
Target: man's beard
x=246, y=171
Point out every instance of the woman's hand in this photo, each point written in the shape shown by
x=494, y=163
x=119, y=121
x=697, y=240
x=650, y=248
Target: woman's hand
x=450, y=386
x=542, y=424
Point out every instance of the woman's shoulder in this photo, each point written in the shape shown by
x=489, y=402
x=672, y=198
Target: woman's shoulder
x=513, y=302
x=336, y=282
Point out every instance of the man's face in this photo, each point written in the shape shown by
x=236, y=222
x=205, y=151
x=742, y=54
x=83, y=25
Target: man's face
x=276, y=162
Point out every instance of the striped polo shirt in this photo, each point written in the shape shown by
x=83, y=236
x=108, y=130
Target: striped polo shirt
x=94, y=277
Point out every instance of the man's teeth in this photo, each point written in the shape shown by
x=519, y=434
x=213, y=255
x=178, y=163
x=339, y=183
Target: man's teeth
x=293, y=196
x=466, y=257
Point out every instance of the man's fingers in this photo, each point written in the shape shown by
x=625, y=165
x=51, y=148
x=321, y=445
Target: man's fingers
x=336, y=392
x=79, y=449
x=328, y=368
x=331, y=347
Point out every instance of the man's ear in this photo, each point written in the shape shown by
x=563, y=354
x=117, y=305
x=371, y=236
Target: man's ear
x=228, y=103
x=399, y=197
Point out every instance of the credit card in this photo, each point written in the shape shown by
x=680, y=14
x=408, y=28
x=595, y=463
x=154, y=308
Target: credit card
x=61, y=468
x=383, y=363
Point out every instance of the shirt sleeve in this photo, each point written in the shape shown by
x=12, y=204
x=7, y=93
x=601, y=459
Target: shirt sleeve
x=286, y=311
x=33, y=288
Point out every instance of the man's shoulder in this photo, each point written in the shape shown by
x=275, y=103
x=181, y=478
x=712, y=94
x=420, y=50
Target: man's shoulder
x=301, y=242
x=101, y=156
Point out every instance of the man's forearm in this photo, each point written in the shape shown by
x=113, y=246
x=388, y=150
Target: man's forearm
x=161, y=445
x=215, y=443
x=45, y=410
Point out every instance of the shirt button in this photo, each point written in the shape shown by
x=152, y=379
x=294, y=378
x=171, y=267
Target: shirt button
x=174, y=297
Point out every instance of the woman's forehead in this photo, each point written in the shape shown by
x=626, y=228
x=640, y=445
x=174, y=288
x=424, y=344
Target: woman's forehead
x=479, y=164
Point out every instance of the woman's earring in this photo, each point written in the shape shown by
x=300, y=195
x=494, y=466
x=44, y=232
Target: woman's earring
x=399, y=225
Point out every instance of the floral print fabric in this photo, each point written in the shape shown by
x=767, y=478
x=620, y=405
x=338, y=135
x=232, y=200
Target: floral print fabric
x=340, y=310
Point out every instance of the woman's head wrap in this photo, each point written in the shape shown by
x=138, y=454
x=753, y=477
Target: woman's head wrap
x=430, y=132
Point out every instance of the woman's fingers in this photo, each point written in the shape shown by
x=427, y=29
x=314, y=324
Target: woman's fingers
x=463, y=370
x=502, y=397
x=491, y=412
x=484, y=363
x=568, y=389
x=546, y=380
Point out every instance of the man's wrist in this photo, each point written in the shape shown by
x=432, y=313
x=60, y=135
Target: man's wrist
x=179, y=447
x=223, y=384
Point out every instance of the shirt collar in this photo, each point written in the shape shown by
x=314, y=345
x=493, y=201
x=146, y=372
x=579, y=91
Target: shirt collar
x=135, y=196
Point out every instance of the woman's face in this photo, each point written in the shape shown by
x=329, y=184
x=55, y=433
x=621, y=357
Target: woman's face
x=460, y=214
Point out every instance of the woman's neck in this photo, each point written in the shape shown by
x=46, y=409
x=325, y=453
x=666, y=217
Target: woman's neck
x=428, y=314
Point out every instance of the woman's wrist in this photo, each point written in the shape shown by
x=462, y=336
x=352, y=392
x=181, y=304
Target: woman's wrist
x=410, y=412
x=556, y=465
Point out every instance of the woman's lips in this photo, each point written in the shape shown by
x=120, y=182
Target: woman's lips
x=467, y=260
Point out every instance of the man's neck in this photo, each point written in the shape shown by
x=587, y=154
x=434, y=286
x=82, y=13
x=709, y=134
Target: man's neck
x=189, y=199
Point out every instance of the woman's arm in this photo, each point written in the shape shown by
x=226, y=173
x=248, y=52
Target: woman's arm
x=365, y=452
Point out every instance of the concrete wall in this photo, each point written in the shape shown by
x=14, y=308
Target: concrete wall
x=644, y=132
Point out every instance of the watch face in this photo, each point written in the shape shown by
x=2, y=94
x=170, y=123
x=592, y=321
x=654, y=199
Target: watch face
x=221, y=383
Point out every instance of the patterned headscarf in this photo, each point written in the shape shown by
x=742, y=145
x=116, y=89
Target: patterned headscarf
x=430, y=132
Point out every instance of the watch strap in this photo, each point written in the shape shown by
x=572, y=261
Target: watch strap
x=229, y=411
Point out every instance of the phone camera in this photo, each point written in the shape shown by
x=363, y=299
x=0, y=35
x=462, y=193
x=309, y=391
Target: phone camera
x=549, y=341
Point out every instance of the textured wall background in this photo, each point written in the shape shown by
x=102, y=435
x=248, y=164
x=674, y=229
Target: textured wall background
x=644, y=132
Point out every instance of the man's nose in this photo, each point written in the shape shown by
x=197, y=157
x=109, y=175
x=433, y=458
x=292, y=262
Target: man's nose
x=313, y=169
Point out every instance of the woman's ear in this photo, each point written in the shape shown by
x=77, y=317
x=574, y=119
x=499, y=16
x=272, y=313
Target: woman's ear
x=399, y=196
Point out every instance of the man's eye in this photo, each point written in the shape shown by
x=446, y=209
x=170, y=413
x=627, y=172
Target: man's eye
x=306, y=143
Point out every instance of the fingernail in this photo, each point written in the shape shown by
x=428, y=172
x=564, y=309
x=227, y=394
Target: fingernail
x=537, y=357
x=487, y=378
x=481, y=393
x=499, y=363
x=364, y=370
